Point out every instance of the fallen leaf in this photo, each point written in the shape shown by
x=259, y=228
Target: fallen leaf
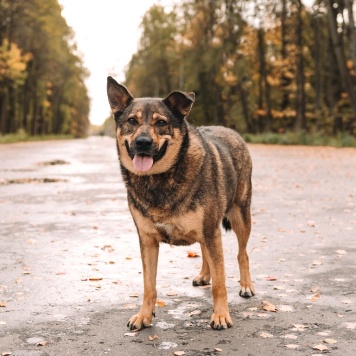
x=179, y=353
x=300, y=327
x=217, y=349
x=290, y=336
x=291, y=346
x=2, y=304
x=315, y=297
x=351, y=326
x=160, y=303
x=324, y=333
x=6, y=353
x=320, y=347
x=130, y=334
x=266, y=335
x=42, y=343
x=151, y=338
x=314, y=290
x=128, y=258
x=116, y=282
x=134, y=295
x=171, y=294
x=94, y=279
x=192, y=254
x=271, y=278
x=31, y=242
x=267, y=306
x=330, y=341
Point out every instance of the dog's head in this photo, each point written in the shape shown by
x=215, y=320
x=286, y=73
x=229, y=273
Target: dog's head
x=149, y=130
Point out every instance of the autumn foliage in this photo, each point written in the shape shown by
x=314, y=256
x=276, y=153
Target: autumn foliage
x=42, y=88
x=258, y=66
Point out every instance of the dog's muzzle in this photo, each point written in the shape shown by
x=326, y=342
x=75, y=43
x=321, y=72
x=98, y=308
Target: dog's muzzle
x=144, y=154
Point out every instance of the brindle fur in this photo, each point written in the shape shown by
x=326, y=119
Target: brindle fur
x=199, y=178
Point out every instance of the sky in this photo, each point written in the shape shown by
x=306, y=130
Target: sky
x=107, y=34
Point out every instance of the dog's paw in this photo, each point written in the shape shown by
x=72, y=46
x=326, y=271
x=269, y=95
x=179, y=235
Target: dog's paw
x=221, y=321
x=201, y=280
x=139, y=321
x=247, y=292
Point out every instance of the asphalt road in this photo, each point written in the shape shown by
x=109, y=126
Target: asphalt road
x=70, y=268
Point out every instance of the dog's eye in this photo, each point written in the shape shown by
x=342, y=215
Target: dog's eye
x=161, y=123
x=132, y=121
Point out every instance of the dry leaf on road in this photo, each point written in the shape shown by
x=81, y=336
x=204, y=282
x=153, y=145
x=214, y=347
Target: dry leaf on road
x=192, y=254
x=267, y=306
x=130, y=334
x=266, y=335
x=330, y=341
x=160, y=303
x=291, y=346
x=320, y=348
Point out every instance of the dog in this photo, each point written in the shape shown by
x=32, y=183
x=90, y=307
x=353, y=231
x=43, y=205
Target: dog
x=182, y=183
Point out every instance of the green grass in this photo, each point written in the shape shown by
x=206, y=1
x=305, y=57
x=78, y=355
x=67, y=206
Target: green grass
x=23, y=137
x=302, y=138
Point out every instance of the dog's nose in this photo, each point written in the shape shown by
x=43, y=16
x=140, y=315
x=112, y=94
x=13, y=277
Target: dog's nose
x=143, y=142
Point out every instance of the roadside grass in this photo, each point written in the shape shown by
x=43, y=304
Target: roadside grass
x=23, y=137
x=288, y=138
x=302, y=138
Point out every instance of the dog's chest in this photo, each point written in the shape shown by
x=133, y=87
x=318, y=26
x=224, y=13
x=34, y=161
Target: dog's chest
x=184, y=229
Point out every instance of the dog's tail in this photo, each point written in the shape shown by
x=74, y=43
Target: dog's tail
x=226, y=224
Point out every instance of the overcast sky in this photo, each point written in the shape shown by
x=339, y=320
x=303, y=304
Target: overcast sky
x=107, y=34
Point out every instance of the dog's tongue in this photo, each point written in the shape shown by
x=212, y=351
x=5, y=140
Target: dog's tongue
x=142, y=163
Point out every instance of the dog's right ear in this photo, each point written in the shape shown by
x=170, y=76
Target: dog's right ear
x=119, y=97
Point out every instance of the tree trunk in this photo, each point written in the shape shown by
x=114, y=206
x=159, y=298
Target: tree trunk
x=340, y=57
x=264, y=86
x=300, y=123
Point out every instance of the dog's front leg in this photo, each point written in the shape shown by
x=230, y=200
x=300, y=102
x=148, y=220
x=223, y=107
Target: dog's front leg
x=149, y=254
x=213, y=252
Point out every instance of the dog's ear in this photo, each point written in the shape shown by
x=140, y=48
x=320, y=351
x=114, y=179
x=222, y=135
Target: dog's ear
x=180, y=102
x=119, y=97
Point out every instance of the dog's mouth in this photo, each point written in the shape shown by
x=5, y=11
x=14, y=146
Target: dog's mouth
x=143, y=162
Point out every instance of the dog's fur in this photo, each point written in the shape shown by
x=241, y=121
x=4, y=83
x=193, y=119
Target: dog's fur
x=182, y=183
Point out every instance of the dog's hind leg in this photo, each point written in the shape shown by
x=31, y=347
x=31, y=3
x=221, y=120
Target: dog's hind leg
x=240, y=220
x=203, y=278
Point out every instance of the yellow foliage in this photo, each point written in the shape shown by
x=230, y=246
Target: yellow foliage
x=12, y=62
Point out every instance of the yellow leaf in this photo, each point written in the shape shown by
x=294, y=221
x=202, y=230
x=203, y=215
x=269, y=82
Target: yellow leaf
x=160, y=303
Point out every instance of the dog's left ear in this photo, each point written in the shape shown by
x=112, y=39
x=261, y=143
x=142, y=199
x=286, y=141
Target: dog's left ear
x=180, y=102
x=119, y=97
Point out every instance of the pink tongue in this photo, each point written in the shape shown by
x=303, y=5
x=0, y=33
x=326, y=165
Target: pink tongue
x=142, y=163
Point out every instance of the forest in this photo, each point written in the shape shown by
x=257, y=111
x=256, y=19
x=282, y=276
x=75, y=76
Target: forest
x=255, y=65
x=260, y=66
x=42, y=79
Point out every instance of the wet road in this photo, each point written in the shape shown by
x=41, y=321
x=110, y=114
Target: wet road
x=70, y=268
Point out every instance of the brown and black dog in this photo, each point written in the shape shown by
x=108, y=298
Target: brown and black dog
x=182, y=183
